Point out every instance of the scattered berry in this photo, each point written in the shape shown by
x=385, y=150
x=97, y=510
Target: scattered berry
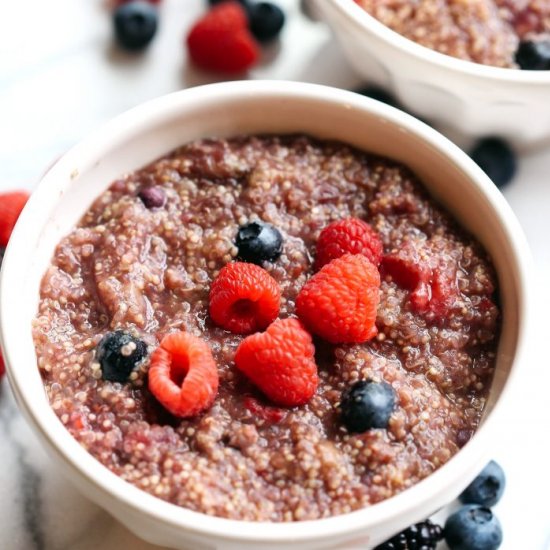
x=2, y=366
x=534, y=55
x=244, y=298
x=367, y=405
x=281, y=362
x=258, y=242
x=266, y=20
x=183, y=375
x=420, y=536
x=119, y=353
x=273, y=415
x=339, y=302
x=348, y=236
x=379, y=94
x=11, y=205
x=473, y=527
x=244, y=3
x=495, y=157
x=153, y=197
x=221, y=41
x=487, y=488
x=135, y=24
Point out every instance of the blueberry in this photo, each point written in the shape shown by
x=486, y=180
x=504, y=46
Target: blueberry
x=135, y=24
x=379, y=94
x=258, y=242
x=244, y=3
x=119, y=353
x=534, y=55
x=266, y=20
x=473, y=527
x=153, y=197
x=487, y=488
x=367, y=405
x=495, y=157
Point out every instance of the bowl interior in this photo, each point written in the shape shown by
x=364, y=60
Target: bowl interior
x=155, y=128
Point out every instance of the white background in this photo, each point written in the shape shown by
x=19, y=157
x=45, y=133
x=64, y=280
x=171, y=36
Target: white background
x=60, y=77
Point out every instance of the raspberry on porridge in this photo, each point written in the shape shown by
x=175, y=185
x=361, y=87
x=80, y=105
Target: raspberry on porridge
x=130, y=274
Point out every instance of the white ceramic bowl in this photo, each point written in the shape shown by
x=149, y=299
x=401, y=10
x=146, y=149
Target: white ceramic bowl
x=477, y=100
x=149, y=131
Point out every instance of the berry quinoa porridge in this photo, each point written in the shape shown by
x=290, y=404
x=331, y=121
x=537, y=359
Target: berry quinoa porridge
x=503, y=33
x=268, y=328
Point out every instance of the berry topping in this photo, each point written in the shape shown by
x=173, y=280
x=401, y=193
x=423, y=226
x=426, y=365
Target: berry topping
x=266, y=20
x=183, y=375
x=135, y=24
x=272, y=415
x=367, y=405
x=153, y=197
x=244, y=298
x=495, y=157
x=339, y=302
x=348, y=236
x=379, y=94
x=487, y=488
x=221, y=41
x=11, y=205
x=258, y=242
x=473, y=527
x=420, y=536
x=281, y=362
x=534, y=55
x=119, y=353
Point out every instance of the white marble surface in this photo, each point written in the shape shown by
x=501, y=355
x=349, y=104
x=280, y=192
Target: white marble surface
x=60, y=77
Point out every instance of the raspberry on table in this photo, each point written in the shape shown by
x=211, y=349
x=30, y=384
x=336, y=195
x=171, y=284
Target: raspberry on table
x=2, y=366
x=183, y=375
x=221, y=40
x=11, y=205
x=348, y=236
x=244, y=298
x=339, y=302
x=280, y=362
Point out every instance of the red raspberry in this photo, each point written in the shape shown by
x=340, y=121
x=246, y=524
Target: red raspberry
x=348, y=236
x=221, y=41
x=11, y=205
x=2, y=366
x=281, y=362
x=339, y=302
x=273, y=415
x=244, y=298
x=183, y=374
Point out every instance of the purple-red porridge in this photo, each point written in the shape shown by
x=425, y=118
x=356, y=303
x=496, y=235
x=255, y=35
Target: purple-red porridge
x=149, y=270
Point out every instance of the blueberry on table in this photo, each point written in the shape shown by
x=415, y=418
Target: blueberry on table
x=152, y=197
x=496, y=158
x=266, y=20
x=367, y=405
x=258, y=242
x=487, y=488
x=244, y=3
x=473, y=527
x=119, y=353
x=379, y=94
x=534, y=55
x=135, y=24
x=420, y=536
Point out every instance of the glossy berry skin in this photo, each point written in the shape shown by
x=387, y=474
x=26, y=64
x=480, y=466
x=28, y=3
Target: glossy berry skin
x=258, y=242
x=244, y=298
x=420, y=536
x=153, y=197
x=11, y=205
x=280, y=362
x=266, y=20
x=119, y=353
x=367, y=405
x=135, y=24
x=339, y=302
x=487, y=488
x=183, y=375
x=495, y=157
x=473, y=527
x=534, y=55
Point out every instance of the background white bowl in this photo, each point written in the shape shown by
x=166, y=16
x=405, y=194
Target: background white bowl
x=147, y=132
x=476, y=100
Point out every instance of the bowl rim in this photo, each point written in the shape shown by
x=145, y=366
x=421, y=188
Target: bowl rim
x=360, y=18
x=109, y=484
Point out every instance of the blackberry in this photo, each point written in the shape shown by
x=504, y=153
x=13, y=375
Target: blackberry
x=420, y=536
